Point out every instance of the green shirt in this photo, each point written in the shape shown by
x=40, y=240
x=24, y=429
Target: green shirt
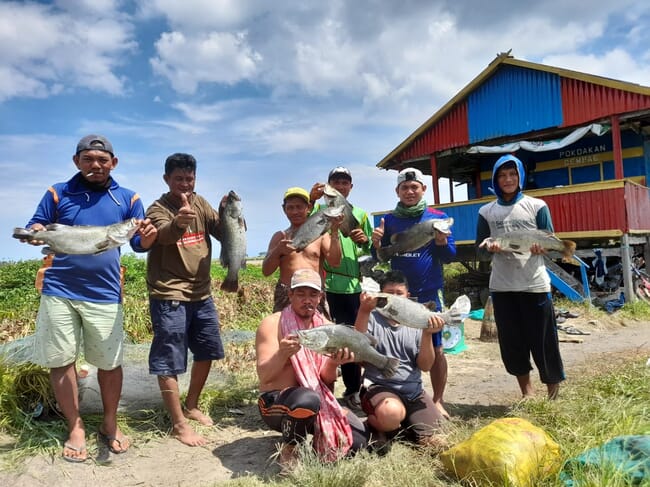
x=344, y=279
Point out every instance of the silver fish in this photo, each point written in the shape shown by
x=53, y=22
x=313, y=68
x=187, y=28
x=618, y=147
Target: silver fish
x=334, y=199
x=520, y=241
x=330, y=338
x=416, y=315
x=80, y=239
x=315, y=226
x=233, y=241
x=414, y=237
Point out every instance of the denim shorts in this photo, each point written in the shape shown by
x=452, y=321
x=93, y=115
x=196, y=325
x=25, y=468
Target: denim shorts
x=179, y=326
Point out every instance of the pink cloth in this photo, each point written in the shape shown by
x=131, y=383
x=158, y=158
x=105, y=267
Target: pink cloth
x=332, y=435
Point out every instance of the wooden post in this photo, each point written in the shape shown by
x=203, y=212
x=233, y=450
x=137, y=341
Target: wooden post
x=626, y=262
x=488, y=326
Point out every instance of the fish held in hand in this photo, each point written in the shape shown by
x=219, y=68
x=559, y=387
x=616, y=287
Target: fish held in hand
x=233, y=241
x=520, y=241
x=335, y=199
x=79, y=239
x=328, y=339
x=416, y=315
x=315, y=226
x=415, y=237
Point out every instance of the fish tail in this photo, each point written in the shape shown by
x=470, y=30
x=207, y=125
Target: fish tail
x=230, y=284
x=390, y=368
x=383, y=254
x=569, y=248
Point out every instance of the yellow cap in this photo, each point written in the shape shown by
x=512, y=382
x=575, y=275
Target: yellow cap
x=297, y=192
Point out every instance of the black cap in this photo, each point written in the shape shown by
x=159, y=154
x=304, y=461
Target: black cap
x=94, y=142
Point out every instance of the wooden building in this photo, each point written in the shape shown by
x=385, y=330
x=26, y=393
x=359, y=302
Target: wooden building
x=584, y=139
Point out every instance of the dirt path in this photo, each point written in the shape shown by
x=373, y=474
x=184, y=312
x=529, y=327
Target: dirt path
x=477, y=384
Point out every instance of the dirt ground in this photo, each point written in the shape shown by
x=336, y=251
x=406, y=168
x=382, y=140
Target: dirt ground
x=477, y=385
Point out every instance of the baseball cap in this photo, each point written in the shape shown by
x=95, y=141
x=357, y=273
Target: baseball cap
x=296, y=191
x=94, y=142
x=340, y=172
x=306, y=278
x=410, y=174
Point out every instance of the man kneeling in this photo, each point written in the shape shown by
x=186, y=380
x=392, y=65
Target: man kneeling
x=399, y=403
x=296, y=383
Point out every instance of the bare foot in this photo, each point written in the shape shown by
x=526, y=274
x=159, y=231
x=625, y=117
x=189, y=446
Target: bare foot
x=74, y=450
x=196, y=415
x=184, y=433
x=287, y=459
x=442, y=409
x=553, y=391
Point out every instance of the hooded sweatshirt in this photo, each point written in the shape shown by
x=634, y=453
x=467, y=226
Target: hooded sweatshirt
x=521, y=272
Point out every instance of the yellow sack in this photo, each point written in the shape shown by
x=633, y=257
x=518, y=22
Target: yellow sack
x=508, y=451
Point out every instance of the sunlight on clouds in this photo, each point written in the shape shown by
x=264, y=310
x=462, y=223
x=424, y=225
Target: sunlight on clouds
x=191, y=15
x=217, y=57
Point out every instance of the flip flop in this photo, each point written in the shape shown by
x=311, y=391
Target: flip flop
x=108, y=441
x=78, y=449
x=572, y=330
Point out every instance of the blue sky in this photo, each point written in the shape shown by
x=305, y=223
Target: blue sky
x=266, y=95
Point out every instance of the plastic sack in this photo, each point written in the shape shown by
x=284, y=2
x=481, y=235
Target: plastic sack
x=508, y=451
x=628, y=454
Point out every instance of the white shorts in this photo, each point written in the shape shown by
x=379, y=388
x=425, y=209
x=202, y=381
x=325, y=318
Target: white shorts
x=62, y=325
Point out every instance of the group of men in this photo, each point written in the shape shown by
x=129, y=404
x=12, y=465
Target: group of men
x=81, y=296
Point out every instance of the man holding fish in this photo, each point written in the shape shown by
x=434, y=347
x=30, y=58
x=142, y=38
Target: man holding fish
x=183, y=313
x=343, y=283
x=400, y=401
x=81, y=293
x=418, y=241
x=320, y=245
x=296, y=383
x=509, y=232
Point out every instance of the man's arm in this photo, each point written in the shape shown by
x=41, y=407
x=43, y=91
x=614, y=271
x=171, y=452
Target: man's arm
x=277, y=248
x=366, y=305
x=331, y=248
x=272, y=353
x=168, y=231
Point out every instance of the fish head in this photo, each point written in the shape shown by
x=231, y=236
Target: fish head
x=333, y=211
x=125, y=230
x=314, y=339
x=443, y=225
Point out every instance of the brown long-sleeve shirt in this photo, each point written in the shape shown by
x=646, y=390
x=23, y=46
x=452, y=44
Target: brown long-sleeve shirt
x=178, y=264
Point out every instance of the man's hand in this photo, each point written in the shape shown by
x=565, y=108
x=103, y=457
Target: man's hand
x=366, y=302
x=148, y=233
x=358, y=237
x=342, y=356
x=440, y=238
x=316, y=192
x=186, y=214
x=378, y=234
x=289, y=345
x=434, y=326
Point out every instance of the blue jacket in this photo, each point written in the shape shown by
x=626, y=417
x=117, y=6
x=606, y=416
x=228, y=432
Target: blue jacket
x=422, y=267
x=94, y=278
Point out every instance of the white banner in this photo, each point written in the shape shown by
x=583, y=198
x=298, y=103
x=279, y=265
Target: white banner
x=541, y=146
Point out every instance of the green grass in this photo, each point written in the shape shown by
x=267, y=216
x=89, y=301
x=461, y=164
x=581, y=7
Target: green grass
x=609, y=397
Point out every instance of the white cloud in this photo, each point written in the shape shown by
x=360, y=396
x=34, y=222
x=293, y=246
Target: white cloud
x=48, y=47
x=217, y=57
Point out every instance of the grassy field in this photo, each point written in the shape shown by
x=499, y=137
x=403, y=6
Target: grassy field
x=611, y=399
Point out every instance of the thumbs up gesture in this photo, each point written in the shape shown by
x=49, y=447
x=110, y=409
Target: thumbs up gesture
x=378, y=234
x=185, y=214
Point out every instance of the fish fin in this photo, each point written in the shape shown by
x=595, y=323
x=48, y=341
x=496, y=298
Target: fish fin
x=101, y=246
x=47, y=251
x=431, y=305
x=373, y=341
x=22, y=233
x=242, y=223
x=243, y=263
x=390, y=368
